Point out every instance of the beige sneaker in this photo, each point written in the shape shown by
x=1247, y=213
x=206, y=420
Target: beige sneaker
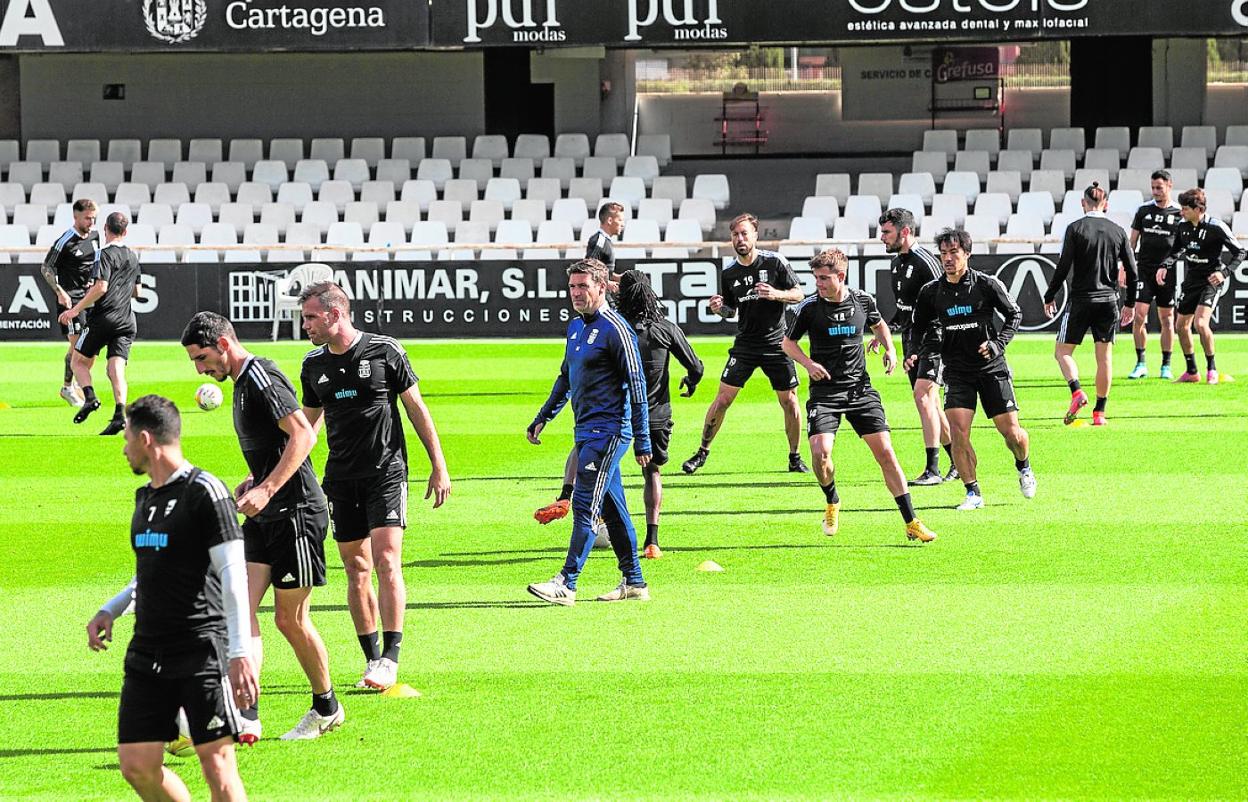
x=556, y=591
x=627, y=592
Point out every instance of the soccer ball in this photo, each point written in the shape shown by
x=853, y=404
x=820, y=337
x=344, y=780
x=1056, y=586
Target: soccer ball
x=208, y=397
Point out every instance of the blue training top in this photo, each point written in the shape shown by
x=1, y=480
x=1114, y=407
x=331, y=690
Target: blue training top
x=602, y=373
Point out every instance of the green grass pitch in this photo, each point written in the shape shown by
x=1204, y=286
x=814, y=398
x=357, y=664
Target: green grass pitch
x=1088, y=644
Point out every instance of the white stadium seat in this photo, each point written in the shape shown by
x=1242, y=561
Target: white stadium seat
x=962, y=183
x=1157, y=136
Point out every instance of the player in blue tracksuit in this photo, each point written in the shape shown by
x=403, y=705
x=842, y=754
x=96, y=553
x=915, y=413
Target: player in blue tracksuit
x=602, y=375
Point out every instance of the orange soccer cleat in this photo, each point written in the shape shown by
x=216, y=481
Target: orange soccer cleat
x=553, y=512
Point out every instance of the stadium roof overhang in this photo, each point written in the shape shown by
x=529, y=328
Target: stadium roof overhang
x=71, y=26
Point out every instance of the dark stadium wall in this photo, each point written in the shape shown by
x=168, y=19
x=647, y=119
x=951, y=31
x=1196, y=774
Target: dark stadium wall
x=280, y=94
x=10, y=98
x=1180, y=91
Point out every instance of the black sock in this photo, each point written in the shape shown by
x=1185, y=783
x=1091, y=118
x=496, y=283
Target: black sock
x=1213, y=364
x=972, y=487
x=565, y=493
x=88, y=394
x=829, y=492
x=1191, y=362
x=652, y=534
x=325, y=704
x=906, y=506
x=933, y=460
x=1022, y=464
x=794, y=456
x=391, y=641
x=1074, y=385
x=371, y=646
x=948, y=447
x=119, y=412
x=1165, y=358
x=1101, y=401
x=1139, y=355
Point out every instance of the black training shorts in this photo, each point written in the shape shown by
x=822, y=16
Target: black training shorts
x=358, y=506
x=1148, y=291
x=1195, y=296
x=742, y=363
x=861, y=406
x=158, y=684
x=660, y=439
x=1101, y=317
x=993, y=388
x=292, y=546
x=95, y=337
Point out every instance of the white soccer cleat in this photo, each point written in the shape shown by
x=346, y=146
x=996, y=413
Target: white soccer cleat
x=556, y=591
x=382, y=675
x=182, y=746
x=368, y=668
x=626, y=592
x=72, y=397
x=1027, y=482
x=314, y=725
x=973, y=501
x=250, y=732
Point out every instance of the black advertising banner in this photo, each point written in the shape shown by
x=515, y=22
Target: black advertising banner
x=413, y=300
x=659, y=23
x=76, y=26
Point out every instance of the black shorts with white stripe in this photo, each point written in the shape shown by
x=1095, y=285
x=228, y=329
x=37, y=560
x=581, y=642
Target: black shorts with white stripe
x=293, y=547
x=158, y=683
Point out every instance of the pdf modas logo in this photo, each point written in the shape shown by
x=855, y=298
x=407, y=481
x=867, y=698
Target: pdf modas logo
x=687, y=19
x=175, y=21
x=519, y=18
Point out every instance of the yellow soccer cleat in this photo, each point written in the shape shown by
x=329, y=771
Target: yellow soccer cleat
x=917, y=530
x=180, y=746
x=832, y=519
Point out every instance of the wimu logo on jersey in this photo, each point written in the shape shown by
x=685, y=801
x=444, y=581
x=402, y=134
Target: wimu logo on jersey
x=691, y=20
x=519, y=18
x=842, y=331
x=959, y=311
x=148, y=539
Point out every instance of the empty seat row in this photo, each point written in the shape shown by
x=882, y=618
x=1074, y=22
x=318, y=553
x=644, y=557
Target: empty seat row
x=372, y=150
x=1117, y=138
x=1141, y=158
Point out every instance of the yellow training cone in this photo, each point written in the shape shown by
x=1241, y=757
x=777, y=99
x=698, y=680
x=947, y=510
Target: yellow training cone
x=400, y=691
x=1078, y=423
x=710, y=565
x=1222, y=377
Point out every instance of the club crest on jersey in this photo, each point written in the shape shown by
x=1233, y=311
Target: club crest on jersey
x=593, y=335
x=366, y=369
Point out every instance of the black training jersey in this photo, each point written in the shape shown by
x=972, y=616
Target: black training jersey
x=760, y=322
x=262, y=397
x=119, y=266
x=1157, y=225
x=72, y=257
x=599, y=247
x=1200, y=247
x=911, y=271
x=957, y=318
x=657, y=342
x=1091, y=252
x=178, y=603
x=359, y=391
x=836, y=329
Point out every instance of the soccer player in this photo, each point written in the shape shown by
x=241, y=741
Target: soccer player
x=1092, y=250
x=67, y=269
x=602, y=375
x=287, y=516
x=757, y=287
x=956, y=315
x=356, y=380
x=610, y=225
x=1199, y=242
x=189, y=648
x=912, y=267
x=836, y=318
x=110, y=321
x=1153, y=231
